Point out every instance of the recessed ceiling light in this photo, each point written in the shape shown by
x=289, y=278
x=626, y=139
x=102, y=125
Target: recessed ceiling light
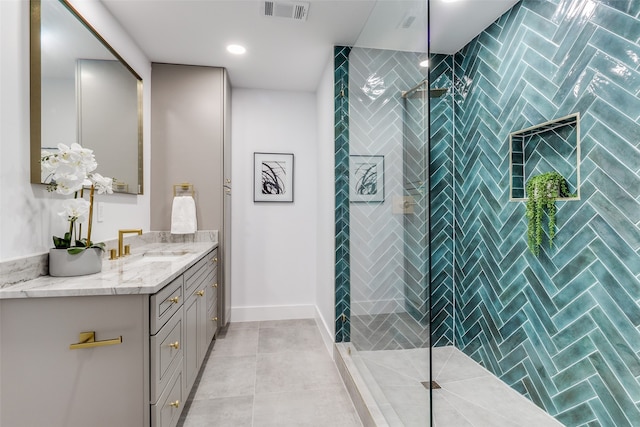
x=236, y=49
x=424, y=63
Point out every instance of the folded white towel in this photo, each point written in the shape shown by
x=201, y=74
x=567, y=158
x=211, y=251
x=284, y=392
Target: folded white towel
x=183, y=215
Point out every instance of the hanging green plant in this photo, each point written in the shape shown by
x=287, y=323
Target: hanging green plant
x=542, y=192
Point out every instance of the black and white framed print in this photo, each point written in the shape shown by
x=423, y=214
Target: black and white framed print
x=366, y=178
x=273, y=177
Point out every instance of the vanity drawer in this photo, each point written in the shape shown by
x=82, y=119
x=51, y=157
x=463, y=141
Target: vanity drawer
x=198, y=275
x=165, y=303
x=166, y=412
x=166, y=350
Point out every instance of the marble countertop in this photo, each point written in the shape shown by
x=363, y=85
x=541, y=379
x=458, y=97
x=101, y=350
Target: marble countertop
x=138, y=273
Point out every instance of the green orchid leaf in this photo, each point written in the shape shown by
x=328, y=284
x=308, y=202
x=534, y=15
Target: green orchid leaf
x=75, y=250
x=60, y=243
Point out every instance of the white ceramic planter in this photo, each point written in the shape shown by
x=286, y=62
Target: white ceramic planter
x=63, y=264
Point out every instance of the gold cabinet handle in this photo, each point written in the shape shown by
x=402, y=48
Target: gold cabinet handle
x=175, y=404
x=88, y=340
x=200, y=293
x=215, y=319
x=215, y=259
x=215, y=285
x=174, y=300
x=175, y=345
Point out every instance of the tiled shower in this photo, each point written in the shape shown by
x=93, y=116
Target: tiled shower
x=562, y=328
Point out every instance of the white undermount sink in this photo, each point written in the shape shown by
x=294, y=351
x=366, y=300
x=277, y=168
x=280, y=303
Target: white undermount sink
x=163, y=256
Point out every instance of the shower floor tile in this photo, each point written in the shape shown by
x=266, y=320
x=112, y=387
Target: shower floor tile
x=469, y=394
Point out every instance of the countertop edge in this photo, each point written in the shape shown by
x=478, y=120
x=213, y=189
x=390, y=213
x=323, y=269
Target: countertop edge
x=126, y=276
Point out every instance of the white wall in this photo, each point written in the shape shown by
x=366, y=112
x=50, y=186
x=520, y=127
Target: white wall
x=325, y=227
x=27, y=212
x=274, y=244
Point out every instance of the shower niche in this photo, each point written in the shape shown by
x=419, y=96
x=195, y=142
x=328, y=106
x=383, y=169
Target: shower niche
x=546, y=147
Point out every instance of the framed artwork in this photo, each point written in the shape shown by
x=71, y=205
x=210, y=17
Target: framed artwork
x=273, y=177
x=366, y=178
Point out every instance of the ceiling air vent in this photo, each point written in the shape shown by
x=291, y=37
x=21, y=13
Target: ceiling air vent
x=407, y=20
x=291, y=10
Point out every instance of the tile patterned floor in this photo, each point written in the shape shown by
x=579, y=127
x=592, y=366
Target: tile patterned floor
x=276, y=373
x=470, y=395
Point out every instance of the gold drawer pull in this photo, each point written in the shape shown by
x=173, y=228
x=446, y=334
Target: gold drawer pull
x=174, y=300
x=175, y=404
x=88, y=340
x=215, y=285
x=200, y=293
x=215, y=319
x=215, y=259
x=175, y=345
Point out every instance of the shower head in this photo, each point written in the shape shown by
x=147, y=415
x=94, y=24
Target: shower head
x=419, y=90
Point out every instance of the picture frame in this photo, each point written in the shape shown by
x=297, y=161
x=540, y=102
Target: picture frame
x=273, y=177
x=366, y=179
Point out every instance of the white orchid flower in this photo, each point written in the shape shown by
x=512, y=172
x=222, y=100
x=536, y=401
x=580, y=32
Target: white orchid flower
x=68, y=183
x=102, y=184
x=85, y=157
x=75, y=210
x=70, y=169
x=78, y=157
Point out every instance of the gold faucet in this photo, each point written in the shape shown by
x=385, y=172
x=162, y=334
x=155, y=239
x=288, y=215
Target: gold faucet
x=121, y=234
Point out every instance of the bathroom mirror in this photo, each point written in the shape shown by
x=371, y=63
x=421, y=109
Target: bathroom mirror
x=83, y=91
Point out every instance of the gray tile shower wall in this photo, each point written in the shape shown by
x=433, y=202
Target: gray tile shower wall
x=561, y=328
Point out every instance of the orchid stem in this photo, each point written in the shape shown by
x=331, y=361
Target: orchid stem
x=71, y=224
x=79, y=235
x=90, y=216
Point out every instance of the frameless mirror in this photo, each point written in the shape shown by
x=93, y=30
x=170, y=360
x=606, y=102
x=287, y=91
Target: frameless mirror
x=83, y=91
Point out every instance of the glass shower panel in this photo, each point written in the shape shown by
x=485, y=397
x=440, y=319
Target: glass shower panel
x=386, y=320
x=388, y=209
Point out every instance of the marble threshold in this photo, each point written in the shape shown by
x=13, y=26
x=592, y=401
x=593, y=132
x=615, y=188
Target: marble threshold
x=27, y=277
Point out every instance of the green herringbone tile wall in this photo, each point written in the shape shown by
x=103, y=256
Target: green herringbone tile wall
x=341, y=135
x=563, y=329
x=441, y=200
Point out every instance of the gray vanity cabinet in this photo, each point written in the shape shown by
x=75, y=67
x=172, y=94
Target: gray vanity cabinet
x=141, y=375
x=200, y=320
x=47, y=383
x=166, y=347
x=179, y=346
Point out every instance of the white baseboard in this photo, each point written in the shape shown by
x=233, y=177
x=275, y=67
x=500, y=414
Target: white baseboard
x=326, y=331
x=273, y=312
